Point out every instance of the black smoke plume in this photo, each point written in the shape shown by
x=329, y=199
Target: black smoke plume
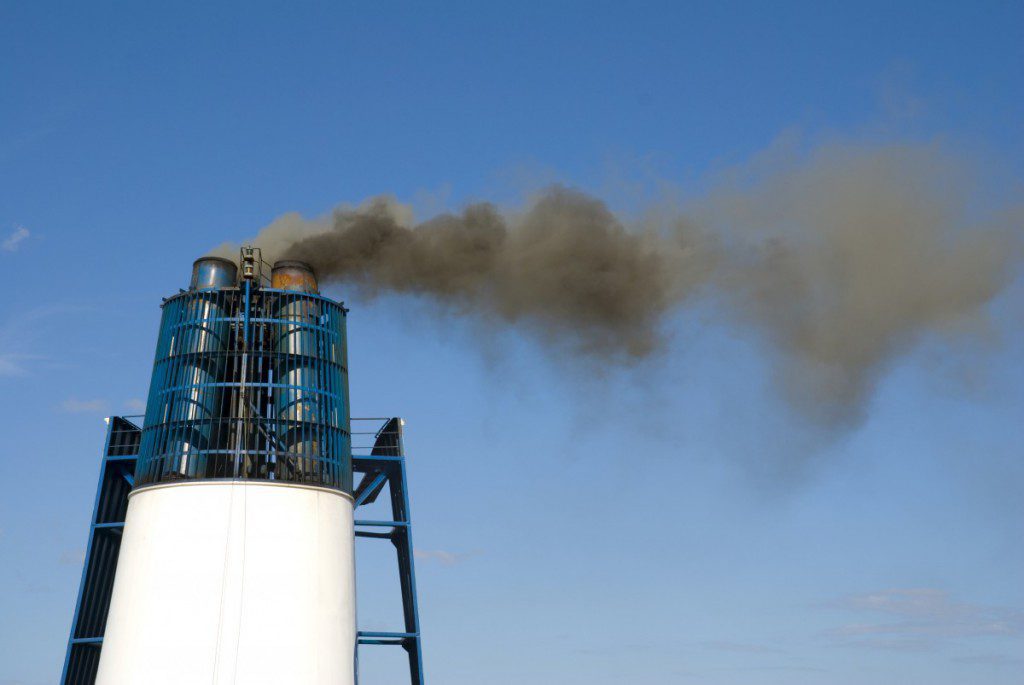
x=842, y=258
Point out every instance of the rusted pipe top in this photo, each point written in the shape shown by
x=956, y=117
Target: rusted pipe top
x=293, y=275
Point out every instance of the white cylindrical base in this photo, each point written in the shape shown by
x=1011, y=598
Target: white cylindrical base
x=233, y=583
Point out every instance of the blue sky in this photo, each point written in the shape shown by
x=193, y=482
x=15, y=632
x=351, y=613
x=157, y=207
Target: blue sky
x=670, y=523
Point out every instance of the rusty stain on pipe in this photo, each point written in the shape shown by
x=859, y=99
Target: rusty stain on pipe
x=293, y=275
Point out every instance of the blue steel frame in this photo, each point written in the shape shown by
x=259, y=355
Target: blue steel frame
x=386, y=467
x=383, y=467
x=117, y=477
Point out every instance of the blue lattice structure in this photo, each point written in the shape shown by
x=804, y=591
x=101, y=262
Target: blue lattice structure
x=385, y=467
x=117, y=477
x=380, y=467
x=249, y=383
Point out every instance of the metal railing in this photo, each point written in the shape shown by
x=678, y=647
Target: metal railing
x=368, y=433
x=376, y=436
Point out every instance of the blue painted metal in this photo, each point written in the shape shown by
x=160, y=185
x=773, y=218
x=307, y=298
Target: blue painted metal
x=369, y=493
x=249, y=383
x=88, y=555
x=87, y=640
x=117, y=466
x=384, y=466
x=382, y=524
x=128, y=477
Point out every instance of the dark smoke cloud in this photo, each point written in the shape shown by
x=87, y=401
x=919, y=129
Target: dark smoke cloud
x=566, y=267
x=842, y=259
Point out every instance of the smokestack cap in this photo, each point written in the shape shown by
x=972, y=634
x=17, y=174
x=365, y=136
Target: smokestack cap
x=213, y=272
x=293, y=275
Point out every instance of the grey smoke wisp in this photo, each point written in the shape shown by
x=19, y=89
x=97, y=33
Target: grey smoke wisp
x=841, y=259
x=845, y=258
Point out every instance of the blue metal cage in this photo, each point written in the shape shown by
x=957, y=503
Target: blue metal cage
x=249, y=383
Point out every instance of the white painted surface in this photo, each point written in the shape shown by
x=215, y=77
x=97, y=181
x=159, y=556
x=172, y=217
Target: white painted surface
x=233, y=583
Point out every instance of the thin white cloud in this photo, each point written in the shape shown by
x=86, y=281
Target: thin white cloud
x=72, y=557
x=742, y=647
x=13, y=241
x=21, y=336
x=76, y=406
x=917, y=617
x=441, y=556
x=991, y=660
x=9, y=365
x=12, y=364
x=26, y=333
x=135, y=404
